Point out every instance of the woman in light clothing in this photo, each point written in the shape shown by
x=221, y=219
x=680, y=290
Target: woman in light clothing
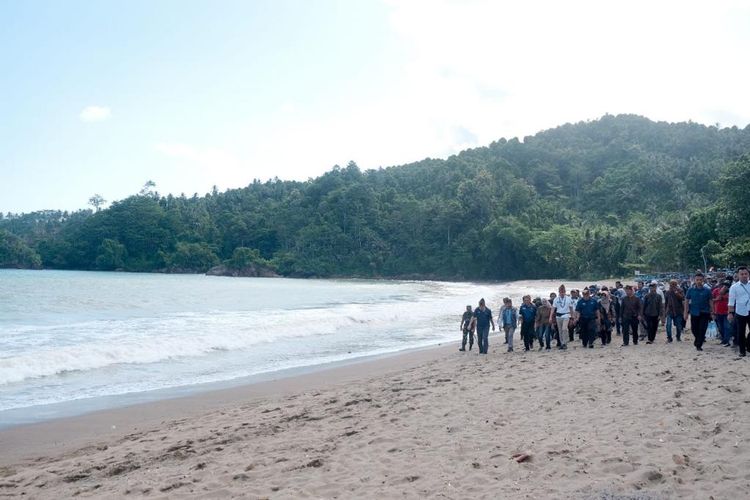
x=508, y=318
x=562, y=309
x=542, y=323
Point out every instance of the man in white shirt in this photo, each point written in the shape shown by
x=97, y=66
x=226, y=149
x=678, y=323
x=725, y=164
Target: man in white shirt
x=562, y=309
x=739, y=306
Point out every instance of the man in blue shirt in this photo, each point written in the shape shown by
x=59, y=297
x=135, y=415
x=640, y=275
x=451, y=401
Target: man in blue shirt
x=527, y=311
x=483, y=317
x=587, y=315
x=698, y=305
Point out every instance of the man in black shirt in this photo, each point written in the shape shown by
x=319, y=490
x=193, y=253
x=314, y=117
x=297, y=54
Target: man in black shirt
x=483, y=320
x=653, y=310
x=631, y=309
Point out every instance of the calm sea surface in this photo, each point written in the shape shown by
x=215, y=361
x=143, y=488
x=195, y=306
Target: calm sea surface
x=71, y=338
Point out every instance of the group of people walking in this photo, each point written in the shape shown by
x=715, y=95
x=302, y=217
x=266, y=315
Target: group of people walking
x=595, y=312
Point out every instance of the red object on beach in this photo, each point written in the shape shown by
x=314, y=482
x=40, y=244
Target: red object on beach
x=521, y=457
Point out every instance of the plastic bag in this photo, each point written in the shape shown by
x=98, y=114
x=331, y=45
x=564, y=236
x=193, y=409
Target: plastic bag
x=712, y=332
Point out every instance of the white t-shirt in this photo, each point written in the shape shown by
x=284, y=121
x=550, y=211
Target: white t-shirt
x=562, y=306
x=739, y=297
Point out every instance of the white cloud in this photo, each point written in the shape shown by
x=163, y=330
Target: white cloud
x=198, y=168
x=476, y=71
x=550, y=62
x=177, y=150
x=95, y=114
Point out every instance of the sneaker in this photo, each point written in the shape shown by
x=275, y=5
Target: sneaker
x=699, y=348
x=679, y=339
x=669, y=341
x=525, y=349
x=624, y=345
x=648, y=341
x=547, y=348
x=591, y=346
x=462, y=349
x=510, y=349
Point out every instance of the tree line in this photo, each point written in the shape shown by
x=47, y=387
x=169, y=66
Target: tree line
x=591, y=199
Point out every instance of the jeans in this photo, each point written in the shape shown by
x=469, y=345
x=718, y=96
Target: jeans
x=652, y=324
x=618, y=317
x=588, y=331
x=725, y=329
x=509, y=332
x=527, y=333
x=483, y=338
x=677, y=320
x=468, y=333
x=629, y=326
x=562, y=327
x=699, y=325
x=544, y=334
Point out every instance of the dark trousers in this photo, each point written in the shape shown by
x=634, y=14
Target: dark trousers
x=468, y=334
x=742, y=322
x=735, y=328
x=629, y=326
x=528, y=333
x=588, y=331
x=652, y=324
x=699, y=325
x=606, y=331
x=483, y=335
x=618, y=317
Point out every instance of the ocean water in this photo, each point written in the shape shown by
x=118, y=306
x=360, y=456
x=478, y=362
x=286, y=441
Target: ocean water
x=68, y=336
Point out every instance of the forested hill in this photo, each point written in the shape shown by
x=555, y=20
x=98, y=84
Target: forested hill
x=598, y=198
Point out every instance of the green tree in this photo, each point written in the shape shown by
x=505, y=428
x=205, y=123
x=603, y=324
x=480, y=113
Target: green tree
x=14, y=253
x=243, y=257
x=191, y=257
x=112, y=255
x=97, y=201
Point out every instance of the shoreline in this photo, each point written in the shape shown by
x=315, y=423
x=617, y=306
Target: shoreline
x=453, y=279
x=644, y=422
x=62, y=433
x=16, y=417
x=29, y=415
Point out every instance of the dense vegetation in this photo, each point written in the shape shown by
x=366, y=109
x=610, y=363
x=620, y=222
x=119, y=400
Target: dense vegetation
x=598, y=198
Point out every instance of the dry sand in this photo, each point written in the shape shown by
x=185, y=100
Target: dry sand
x=647, y=422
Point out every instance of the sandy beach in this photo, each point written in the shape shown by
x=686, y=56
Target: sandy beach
x=647, y=421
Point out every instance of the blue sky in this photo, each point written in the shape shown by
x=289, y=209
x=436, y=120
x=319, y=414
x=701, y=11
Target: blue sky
x=99, y=97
